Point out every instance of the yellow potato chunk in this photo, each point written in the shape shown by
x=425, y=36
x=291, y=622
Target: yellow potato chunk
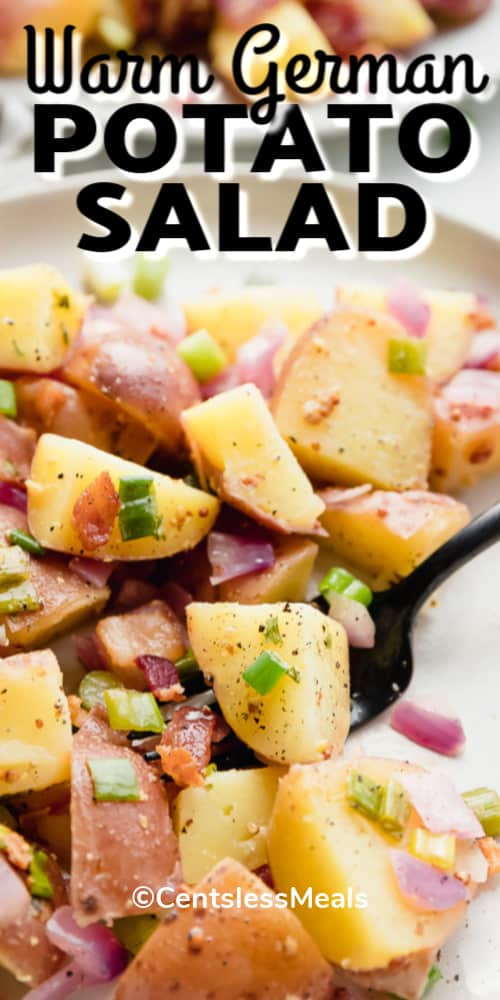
x=239, y=453
x=453, y=320
x=318, y=840
x=228, y=817
x=259, y=950
x=306, y=715
x=347, y=418
x=466, y=443
x=300, y=34
x=40, y=317
x=398, y=24
x=386, y=535
x=287, y=580
x=63, y=468
x=232, y=318
x=35, y=748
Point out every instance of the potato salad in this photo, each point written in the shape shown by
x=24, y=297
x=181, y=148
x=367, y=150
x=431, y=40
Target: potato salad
x=198, y=501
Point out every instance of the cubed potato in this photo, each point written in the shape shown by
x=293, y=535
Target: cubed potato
x=318, y=840
x=397, y=24
x=63, y=469
x=466, y=444
x=227, y=953
x=305, y=717
x=35, y=750
x=347, y=418
x=454, y=317
x=239, y=453
x=40, y=317
x=234, y=317
x=226, y=818
x=50, y=406
x=57, y=14
x=66, y=599
x=151, y=629
x=287, y=580
x=386, y=535
x=140, y=372
x=17, y=445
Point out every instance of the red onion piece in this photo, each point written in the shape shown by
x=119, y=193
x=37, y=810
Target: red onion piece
x=428, y=729
x=16, y=900
x=424, y=886
x=159, y=672
x=177, y=598
x=356, y=620
x=485, y=349
x=62, y=984
x=406, y=304
x=228, y=379
x=255, y=358
x=94, y=948
x=92, y=570
x=341, y=23
x=13, y=496
x=239, y=13
x=87, y=651
x=439, y=805
x=232, y=556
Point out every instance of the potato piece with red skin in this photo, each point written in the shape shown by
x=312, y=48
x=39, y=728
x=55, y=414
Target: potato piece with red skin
x=50, y=406
x=385, y=535
x=287, y=580
x=142, y=373
x=466, y=443
x=67, y=599
x=152, y=629
x=228, y=954
x=17, y=446
x=116, y=846
x=25, y=950
x=346, y=417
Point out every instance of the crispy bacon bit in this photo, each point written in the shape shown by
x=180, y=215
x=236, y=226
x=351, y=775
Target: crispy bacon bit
x=491, y=851
x=16, y=848
x=185, y=747
x=162, y=677
x=95, y=511
x=481, y=454
x=320, y=406
x=265, y=874
x=77, y=713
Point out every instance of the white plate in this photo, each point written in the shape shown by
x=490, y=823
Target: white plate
x=457, y=641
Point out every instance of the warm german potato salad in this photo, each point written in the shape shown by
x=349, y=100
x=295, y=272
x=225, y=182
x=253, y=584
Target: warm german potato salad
x=179, y=481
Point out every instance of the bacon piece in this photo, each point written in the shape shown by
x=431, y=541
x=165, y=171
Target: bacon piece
x=95, y=511
x=185, y=747
x=17, y=445
x=16, y=848
x=491, y=851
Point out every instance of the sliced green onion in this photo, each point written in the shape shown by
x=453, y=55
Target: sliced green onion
x=93, y=686
x=14, y=565
x=340, y=581
x=115, y=33
x=149, y=277
x=364, y=794
x=485, y=803
x=435, y=975
x=133, y=710
x=139, y=516
x=104, y=281
x=8, y=402
x=22, y=597
x=114, y=779
x=438, y=849
x=407, y=357
x=265, y=672
x=203, y=355
x=26, y=542
x=133, y=932
x=39, y=882
x=187, y=666
x=394, y=808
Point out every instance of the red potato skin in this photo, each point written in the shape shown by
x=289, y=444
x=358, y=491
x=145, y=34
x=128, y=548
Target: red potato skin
x=229, y=954
x=142, y=373
x=25, y=950
x=116, y=846
x=17, y=445
x=63, y=593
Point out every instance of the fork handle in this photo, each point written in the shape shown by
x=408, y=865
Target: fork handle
x=477, y=536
